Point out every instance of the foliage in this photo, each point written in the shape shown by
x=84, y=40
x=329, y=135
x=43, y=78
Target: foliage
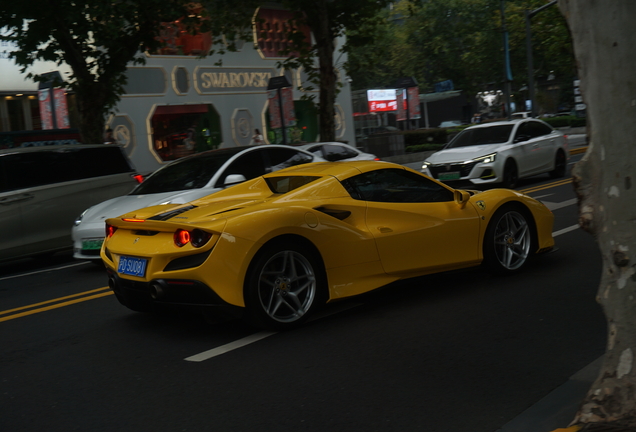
x=565, y=121
x=327, y=20
x=461, y=40
x=425, y=137
x=423, y=148
x=96, y=39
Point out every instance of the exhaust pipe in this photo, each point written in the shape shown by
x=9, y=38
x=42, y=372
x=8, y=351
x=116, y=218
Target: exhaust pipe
x=112, y=283
x=157, y=292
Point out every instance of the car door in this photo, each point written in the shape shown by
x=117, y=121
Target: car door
x=546, y=142
x=416, y=222
x=12, y=195
x=527, y=149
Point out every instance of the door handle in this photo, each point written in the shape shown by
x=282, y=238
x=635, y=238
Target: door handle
x=16, y=198
x=384, y=229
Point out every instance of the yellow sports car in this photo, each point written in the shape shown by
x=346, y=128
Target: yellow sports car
x=281, y=245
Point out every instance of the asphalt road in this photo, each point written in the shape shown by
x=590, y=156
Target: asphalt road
x=456, y=352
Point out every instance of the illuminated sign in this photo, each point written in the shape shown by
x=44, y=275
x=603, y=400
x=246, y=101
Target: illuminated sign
x=232, y=80
x=381, y=100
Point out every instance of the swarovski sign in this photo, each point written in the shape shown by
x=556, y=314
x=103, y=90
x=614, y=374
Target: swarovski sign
x=210, y=80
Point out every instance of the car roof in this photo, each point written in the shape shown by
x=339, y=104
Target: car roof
x=336, y=169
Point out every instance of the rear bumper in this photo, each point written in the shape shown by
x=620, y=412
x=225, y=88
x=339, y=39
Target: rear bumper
x=168, y=292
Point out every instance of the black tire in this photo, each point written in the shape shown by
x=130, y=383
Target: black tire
x=560, y=165
x=283, y=286
x=510, y=175
x=509, y=240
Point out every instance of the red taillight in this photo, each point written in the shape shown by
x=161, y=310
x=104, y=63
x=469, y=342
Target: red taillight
x=197, y=237
x=139, y=178
x=377, y=159
x=110, y=230
x=181, y=237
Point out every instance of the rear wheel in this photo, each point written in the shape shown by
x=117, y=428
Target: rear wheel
x=508, y=240
x=510, y=175
x=282, y=286
x=560, y=165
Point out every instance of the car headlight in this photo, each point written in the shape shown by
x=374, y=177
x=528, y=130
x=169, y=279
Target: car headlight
x=426, y=164
x=78, y=220
x=486, y=159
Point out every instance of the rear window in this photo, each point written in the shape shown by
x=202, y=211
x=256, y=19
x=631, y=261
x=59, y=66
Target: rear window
x=482, y=135
x=50, y=166
x=284, y=184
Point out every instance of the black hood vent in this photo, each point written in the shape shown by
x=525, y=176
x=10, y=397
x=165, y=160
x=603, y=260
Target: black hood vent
x=172, y=213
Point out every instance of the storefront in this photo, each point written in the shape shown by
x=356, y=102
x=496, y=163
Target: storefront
x=179, y=103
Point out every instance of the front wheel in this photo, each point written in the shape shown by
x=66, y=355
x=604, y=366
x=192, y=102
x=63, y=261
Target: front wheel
x=560, y=165
x=508, y=241
x=510, y=175
x=282, y=286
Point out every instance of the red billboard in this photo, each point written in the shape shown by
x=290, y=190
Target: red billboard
x=61, y=109
x=274, y=109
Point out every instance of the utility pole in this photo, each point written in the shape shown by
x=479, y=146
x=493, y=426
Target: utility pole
x=530, y=14
x=507, y=71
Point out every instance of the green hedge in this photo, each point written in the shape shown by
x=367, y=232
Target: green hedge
x=565, y=121
x=423, y=147
x=425, y=136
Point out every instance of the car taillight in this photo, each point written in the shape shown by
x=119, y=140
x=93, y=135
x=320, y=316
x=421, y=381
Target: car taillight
x=139, y=178
x=197, y=237
x=110, y=230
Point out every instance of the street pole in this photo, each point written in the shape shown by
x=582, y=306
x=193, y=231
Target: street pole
x=530, y=14
x=507, y=71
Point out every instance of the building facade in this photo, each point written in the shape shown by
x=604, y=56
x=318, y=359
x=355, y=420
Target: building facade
x=179, y=103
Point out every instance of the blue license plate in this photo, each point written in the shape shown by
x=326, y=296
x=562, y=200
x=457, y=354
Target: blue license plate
x=132, y=266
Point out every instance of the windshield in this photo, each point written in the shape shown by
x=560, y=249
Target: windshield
x=483, y=135
x=185, y=174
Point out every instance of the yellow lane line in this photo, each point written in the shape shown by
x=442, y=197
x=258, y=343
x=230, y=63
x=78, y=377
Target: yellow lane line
x=55, y=306
x=546, y=186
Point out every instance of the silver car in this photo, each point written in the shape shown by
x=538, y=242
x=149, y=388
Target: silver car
x=335, y=151
x=184, y=180
x=42, y=189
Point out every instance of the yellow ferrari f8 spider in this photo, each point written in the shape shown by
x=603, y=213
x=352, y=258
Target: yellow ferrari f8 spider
x=279, y=246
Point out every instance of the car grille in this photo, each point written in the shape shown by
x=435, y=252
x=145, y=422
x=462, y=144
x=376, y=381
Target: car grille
x=463, y=168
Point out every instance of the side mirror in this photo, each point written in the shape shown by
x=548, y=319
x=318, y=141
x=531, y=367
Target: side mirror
x=233, y=179
x=521, y=138
x=461, y=197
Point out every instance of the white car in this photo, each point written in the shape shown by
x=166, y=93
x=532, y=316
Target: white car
x=500, y=153
x=335, y=151
x=182, y=181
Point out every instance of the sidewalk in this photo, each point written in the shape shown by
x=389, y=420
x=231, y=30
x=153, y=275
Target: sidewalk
x=558, y=408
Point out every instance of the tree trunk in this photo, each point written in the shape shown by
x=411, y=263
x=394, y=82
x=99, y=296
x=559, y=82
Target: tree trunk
x=325, y=48
x=90, y=106
x=605, y=182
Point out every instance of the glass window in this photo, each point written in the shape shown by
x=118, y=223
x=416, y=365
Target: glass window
x=334, y=153
x=279, y=158
x=250, y=165
x=539, y=129
x=482, y=135
x=281, y=185
x=30, y=169
x=187, y=173
x=396, y=185
x=524, y=132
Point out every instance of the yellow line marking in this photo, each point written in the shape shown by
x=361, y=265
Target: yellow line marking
x=55, y=306
x=546, y=186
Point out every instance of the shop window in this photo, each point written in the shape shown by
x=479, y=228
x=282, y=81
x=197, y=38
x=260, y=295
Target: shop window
x=182, y=130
